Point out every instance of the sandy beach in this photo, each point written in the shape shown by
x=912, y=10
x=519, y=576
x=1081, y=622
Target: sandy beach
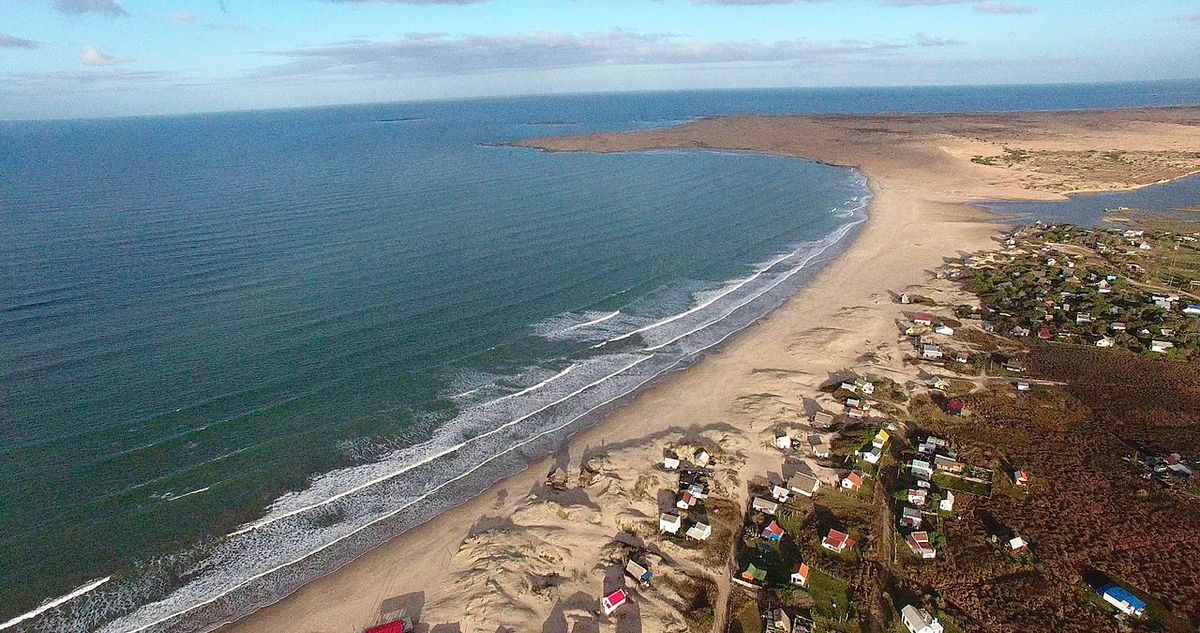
x=524, y=557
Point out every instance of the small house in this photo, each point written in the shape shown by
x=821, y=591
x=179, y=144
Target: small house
x=765, y=506
x=872, y=455
x=1117, y=326
x=823, y=419
x=1016, y=545
x=910, y=517
x=702, y=457
x=948, y=463
x=917, y=496
x=613, y=601
x=947, y=502
x=837, y=541
x=1105, y=341
x=804, y=484
x=1192, y=310
x=921, y=469
x=685, y=500
x=754, y=575
x=637, y=572
x=780, y=494
x=1123, y=600
x=923, y=320
x=783, y=441
x=852, y=481
x=855, y=413
x=669, y=523
x=1021, y=478
x=944, y=329
x=919, y=543
x=671, y=460
x=1023, y=386
x=800, y=575
x=699, y=532
x=772, y=532
x=881, y=439
x=1161, y=346
x=821, y=450
x=919, y=621
x=929, y=351
x=955, y=406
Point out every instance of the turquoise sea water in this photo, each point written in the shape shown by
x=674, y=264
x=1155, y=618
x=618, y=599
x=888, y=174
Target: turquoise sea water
x=240, y=349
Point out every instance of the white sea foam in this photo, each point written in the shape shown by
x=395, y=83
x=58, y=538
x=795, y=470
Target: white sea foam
x=50, y=604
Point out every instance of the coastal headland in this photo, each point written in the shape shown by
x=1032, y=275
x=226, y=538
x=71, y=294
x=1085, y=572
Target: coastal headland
x=532, y=553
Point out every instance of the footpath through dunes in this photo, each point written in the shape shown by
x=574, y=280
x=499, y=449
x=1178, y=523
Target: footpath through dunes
x=920, y=174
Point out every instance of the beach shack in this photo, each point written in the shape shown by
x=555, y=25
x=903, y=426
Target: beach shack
x=670, y=460
x=1123, y=600
x=919, y=543
x=780, y=494
x=921, y=469
x=764, y=505
x=396, y=626
x=872, y=455
x=837, y=541
x=699, y=532
x=783, y=441
x=613, y=601
x=803, y=484
x=823, y=419
x=910, y=517
x=772, y=532
x=947, y=502
x=638, y=572
x=669, y=523
x=852, y=481
x=753, y=575
x=800, y=574
x=919, y=621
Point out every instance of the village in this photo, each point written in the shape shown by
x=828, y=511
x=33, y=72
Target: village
x=801, y=559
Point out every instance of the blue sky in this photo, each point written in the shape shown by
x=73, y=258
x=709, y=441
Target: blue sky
x=117, y=57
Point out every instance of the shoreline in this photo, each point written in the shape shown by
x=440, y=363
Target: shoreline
x=678, y=402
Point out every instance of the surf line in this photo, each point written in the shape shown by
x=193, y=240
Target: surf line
x=592, y=322
x=769, y=288
x=271, y=519
x=534, y=387
x=424, y=496
x=54, y=603
x=758, y=273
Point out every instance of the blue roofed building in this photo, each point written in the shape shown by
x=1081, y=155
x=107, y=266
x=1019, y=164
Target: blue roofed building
x=1122, y=599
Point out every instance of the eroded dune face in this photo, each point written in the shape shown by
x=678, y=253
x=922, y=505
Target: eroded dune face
x=545, y=565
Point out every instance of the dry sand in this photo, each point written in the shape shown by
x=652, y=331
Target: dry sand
x=522, y=557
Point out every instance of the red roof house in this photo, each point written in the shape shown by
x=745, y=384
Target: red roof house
x=613, y=600
x=772, y=532
x=837, y=541
x=390, y=627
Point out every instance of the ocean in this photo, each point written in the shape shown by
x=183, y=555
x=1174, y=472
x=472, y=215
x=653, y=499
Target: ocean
x=243, y=348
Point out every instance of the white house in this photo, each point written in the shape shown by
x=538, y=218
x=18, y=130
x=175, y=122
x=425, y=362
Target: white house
x=800, y=574
x=921, y=468
x=702, y=457
x=821, y=450
x=700, y=532
x=1161, y=346
x=919, y=621
x=1122, y=599
x=929, y=351
x=1192, y=310
x=669, y=523
x=671, y=461
x=947, y=502
x=780, y=494
x=764, y=505
x=872, y=455
x=944, y=330
x=783, y=441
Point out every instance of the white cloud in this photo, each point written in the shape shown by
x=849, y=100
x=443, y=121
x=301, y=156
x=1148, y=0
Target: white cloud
x=92, y=56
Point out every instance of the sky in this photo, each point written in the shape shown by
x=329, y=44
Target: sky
x=91, y=58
